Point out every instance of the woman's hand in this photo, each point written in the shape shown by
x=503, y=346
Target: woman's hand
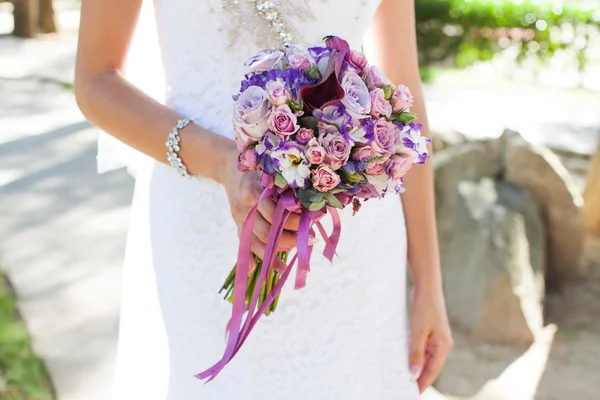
x=243, y=190
x=430, y=336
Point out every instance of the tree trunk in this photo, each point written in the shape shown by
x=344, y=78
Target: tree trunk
x=591, y=195
x=47, y=22
x=27, y=17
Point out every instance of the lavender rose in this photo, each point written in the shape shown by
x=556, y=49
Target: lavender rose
x=265, y=60
x=387, y=138
x=356, y=98
x=402, y=99
x=375, y=79
x=334, y=114
x=251, y=112
x=379, y=105
x=283, y=121
x=278, y=94
x=315, y=153
x=324, y=178
x=299, y=58
x=398, y=165
x=337, y=149
x=304, y=135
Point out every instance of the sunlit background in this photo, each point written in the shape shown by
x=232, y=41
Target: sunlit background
x=513, y=96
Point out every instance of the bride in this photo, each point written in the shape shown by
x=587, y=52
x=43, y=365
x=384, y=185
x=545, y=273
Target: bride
x=346, y=335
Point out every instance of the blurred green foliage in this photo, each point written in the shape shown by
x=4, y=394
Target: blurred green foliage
x=22, y=375
x=465, y=31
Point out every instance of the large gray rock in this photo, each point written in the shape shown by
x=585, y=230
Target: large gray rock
x=493, y=261
x=557, y=197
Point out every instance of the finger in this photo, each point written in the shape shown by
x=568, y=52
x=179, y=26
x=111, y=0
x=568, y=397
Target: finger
x=258, y=248
x=431, y=370
x=418, y=343
x=288, y=239
x=437, y=351
x=267, y=209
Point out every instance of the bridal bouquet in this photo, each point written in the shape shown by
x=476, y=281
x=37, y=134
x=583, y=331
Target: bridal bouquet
x=327, y=130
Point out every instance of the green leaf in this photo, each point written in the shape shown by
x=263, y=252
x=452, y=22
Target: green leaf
x=333, y=201
x=406, y=117
x=280, y=181
x=317, y=197
x=317, y=206
x=294, y=106
x=309, y=122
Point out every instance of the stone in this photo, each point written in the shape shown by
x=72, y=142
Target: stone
x=492, y=262
x=559, y=201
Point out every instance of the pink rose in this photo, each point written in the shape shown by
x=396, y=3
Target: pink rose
x=387, y=137
x=376, y=168
x=299, y=58
x=304, y=135
x=283, y=121
x=379, y=105
x=402, y=99
x=337, y=149
x=251, y=112
x=358, y=59
x=363, y=153
x=248, y=160
x=398, y=165
x=324, y=178
x=375, y=79
x=315, y=153
x=278, y=94
x=368, y=191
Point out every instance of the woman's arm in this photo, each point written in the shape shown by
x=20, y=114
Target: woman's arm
x=116, y=106
x=119, y=108
x=391, y=44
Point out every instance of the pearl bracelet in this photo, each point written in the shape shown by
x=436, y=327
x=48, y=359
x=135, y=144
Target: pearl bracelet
x=173, y=147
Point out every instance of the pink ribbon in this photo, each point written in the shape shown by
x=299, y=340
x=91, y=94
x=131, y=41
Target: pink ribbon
x=286, y=204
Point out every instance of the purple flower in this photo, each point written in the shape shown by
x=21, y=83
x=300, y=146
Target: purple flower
x=251, y=112
x=283, y=121
x=375, y=78
x=387, y=138
x=327, y=90
x=337, y=43
x=299, y=58
x=278, y=94
x=265, y=60
x=304, y=135
x=334, y=114
x=412, y=139
x=315, y=154
x=365, y=133
x=402, y=99
x=357, y=99
x=289, y=159
x=337, y=149
x=324, y=178
x=379, y=105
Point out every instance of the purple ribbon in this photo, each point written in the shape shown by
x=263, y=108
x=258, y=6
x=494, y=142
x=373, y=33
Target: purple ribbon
x=286, y=204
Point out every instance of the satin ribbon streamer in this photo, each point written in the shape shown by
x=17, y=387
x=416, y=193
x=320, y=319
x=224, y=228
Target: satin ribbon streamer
x=286, y=204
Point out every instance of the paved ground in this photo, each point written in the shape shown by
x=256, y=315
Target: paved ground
x=62, y=227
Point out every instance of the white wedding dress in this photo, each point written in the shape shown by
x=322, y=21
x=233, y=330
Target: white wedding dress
x=344, y=336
